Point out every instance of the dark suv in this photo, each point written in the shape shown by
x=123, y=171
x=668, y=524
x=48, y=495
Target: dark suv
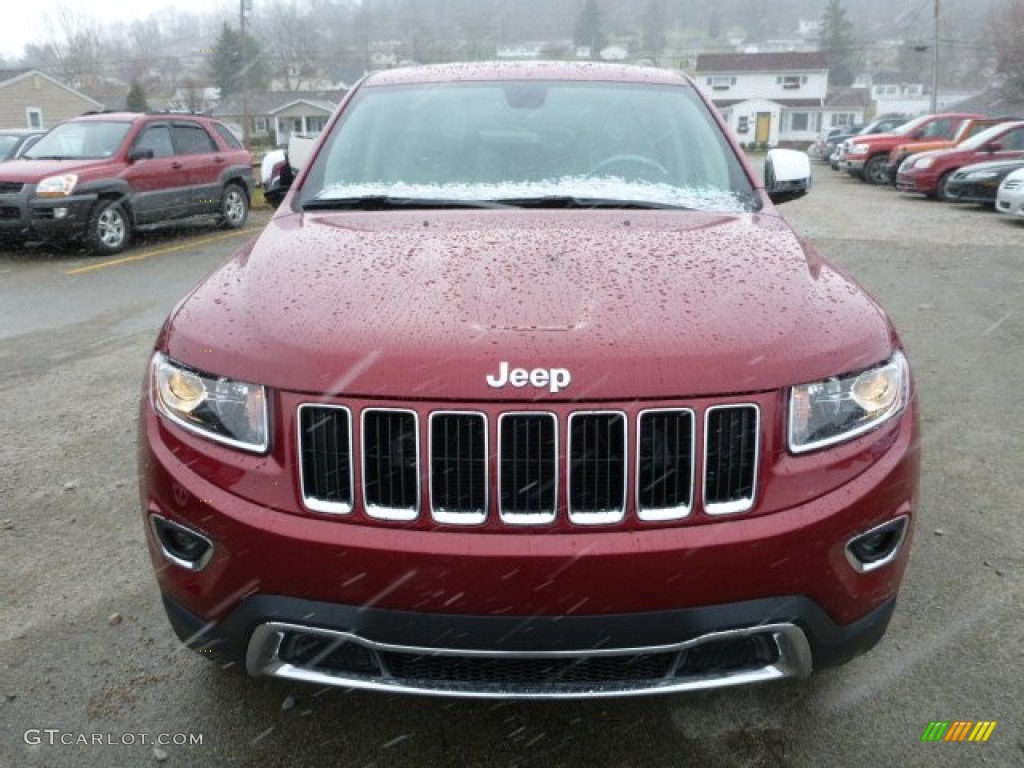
x=98, y=177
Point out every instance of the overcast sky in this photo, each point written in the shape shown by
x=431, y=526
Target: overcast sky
x=24, y=21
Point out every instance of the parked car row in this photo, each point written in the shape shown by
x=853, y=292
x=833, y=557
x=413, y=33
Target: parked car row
x=826, y=147
x=957, y=157
x=97, y=178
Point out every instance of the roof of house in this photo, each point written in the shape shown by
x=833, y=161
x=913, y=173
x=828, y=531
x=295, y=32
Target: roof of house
x=271, y=102
x=855, y=98
x=8, y=76
x=790, y=61
x=995, y=101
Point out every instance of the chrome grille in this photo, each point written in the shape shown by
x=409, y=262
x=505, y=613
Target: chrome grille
x=523, y=482
x=597, y=467
x=730, y=459
x=1012, y=184
x=325, y=440
x=528, y=467
x=391, y=477
x=664, y=473
x=458, y=467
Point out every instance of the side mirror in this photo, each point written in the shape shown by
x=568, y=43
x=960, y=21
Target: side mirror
x=787, y=175
x=140, y=154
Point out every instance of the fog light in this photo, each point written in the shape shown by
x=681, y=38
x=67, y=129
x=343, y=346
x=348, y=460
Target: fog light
x=877, y=547
x=181, y=545
x=60, y=213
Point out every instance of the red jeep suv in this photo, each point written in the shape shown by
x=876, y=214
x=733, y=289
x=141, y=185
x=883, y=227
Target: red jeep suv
x=527, y=391
x=98, y=177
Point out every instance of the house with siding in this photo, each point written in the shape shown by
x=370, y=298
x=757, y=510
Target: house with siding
x=778, y=99
x=274, y=116
x=32, y=99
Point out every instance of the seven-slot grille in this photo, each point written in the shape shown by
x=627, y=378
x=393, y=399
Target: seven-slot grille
x=530, y=465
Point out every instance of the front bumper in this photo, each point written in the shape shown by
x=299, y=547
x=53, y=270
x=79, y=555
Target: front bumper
x=23, y=216
x=442, y=577
x=915, y=181
x=981, y=192
x=1011, y=204
x=499, y=657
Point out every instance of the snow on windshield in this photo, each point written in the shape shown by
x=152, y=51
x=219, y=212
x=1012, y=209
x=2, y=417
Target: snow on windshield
x=583, y=188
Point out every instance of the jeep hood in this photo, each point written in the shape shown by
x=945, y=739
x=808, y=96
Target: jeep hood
x=635, y=304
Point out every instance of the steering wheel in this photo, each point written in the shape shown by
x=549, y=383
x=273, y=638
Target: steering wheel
x=625, y=160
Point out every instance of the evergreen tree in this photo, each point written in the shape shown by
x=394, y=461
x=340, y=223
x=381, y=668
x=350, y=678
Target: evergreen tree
x=226, y=65
x=654, y=39
x=588, y=29
x=714, y=26
x=837, y=40
x=136, y=101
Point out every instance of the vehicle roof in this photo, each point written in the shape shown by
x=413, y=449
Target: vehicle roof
x=526, y=70
x=21, y=131
x=131, y=117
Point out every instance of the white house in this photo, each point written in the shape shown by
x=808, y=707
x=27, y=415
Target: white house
x=777, y=98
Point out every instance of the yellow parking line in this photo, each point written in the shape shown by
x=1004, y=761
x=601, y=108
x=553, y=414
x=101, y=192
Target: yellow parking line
x=162, y=251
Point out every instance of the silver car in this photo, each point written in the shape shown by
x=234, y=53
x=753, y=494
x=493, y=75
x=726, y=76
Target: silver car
x=1010, y=197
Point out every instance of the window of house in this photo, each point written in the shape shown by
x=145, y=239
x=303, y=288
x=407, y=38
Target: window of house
x=259, y=125
x=743, y=124
x=840, y=119
x=721, y=82
x=34, y=117
x=315, y=124
x=791, y=81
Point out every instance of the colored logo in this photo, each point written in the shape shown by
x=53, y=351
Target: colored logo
x=958, y=730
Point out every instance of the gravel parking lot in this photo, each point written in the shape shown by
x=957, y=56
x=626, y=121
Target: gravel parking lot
x=87, y=654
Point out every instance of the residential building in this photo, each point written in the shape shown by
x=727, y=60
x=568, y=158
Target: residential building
x=777, y=99
x=32, y=99
x=274, y=116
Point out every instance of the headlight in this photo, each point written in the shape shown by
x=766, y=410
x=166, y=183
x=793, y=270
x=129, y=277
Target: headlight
x=57, y=186
x=923, y=162
x=838, y=409
x=230, y=412
x=858, y=149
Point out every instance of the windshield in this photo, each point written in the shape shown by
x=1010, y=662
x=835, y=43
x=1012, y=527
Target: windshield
x=978, y=140
x=82, y=140
x=910, y=127
x=513, y=141
x=7, y=144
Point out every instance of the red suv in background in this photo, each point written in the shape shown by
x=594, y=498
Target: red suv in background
x=928, y=172
x=527, y=390
x=867, y=157
x=98, y=177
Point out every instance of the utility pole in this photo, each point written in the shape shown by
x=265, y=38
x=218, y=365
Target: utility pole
x=243, y=6
x=935, y=64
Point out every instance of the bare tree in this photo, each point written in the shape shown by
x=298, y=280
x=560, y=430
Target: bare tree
x=1006, y=31
x=292, y=36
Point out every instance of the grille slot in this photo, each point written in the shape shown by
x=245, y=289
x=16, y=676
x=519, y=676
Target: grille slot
x=9, y=212
x=458, y=467
x=391, y=478
x=597, y=467
x=664, y=475
x=528, y=467
x=730, y=458
x=10, y=187
x=325, y=439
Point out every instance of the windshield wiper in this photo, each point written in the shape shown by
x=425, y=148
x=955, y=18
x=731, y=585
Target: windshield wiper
x=573, y=201
x=388, y=203
x=46, y=157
